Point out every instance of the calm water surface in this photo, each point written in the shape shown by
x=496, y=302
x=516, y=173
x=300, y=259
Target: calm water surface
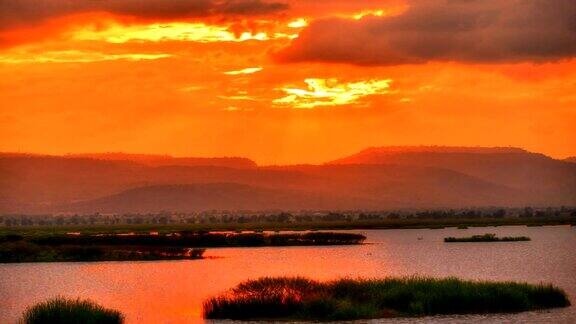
x=172, y=291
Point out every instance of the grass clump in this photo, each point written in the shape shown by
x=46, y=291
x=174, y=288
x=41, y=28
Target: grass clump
x=486, y=238
x=348, y=299
x=70, y=311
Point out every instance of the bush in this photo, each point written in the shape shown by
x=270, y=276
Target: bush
x=69, y=311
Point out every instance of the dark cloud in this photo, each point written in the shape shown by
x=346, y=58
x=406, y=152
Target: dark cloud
x=14, y=13
x=251, y=7
x=445, y=30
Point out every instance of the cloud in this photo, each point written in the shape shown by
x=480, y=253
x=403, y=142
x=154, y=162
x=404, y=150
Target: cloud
x=250, y=7
x=476, y=31
x=14, y=13
x=244, y=71
x=175, y=31
x=331, y=92
x=74, y=56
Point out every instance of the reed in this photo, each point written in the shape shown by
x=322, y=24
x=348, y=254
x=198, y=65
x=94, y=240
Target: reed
x=195, y=239
x=348, y=299
x=70, y=311
x=168, y=246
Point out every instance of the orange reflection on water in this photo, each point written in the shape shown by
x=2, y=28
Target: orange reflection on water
x=173, y=291
x=151, y=292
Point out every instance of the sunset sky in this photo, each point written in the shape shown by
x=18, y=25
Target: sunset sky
x=286, y=81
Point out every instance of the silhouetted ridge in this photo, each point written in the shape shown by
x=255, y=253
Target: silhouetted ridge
x=443, y=149
x=166, y=160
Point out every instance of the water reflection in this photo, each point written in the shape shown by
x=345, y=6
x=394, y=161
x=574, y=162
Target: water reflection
x=172, y=291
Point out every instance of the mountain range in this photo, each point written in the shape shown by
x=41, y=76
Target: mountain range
x=372, y=179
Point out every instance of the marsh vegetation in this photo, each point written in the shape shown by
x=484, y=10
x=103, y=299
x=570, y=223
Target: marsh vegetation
x=299, y=298
x=70, y=311
x=206, y=239
x=142, y=247
x=486, y=238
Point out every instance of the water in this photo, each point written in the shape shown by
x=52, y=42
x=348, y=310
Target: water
x=172, y=291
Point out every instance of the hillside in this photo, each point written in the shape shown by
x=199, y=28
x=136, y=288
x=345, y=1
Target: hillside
x=371, y=179
x=321, y=187
x=38, y=183
x=541, y=176
x=207, y=196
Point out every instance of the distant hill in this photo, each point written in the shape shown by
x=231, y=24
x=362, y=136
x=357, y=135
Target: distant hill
x=167, y=160
x=440, y=149
x=39, y=183
x=571, y=159
x=321, y=187
x=371, y=179
x=206, y=196
x=541, y=176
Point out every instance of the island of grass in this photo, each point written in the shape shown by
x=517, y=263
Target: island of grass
x=286, y=298
x=70, y=311
x=486, y=238
x=152, y=246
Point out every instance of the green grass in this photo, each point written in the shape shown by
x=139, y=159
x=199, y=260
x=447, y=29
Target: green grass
x=486, y=238
x=296, y=298
x=70, y=311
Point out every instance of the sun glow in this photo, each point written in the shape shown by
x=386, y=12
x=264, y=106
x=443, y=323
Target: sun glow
x=244, y=71
x=377, y=13
x=75, y=56
x=390, y=11
x=195, y=32
x=330, y=92
x=298, y=23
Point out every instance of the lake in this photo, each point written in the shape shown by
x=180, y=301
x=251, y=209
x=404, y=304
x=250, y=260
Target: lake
x=173, y=291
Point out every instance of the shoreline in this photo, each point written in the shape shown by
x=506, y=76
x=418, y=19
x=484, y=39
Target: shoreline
x=296, y=227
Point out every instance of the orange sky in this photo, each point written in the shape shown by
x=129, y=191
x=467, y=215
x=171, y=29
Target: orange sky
x=283, y=82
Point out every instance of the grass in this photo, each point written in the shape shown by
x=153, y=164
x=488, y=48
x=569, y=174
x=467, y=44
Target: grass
x=296, y=298
x=70, y=311
x=146, y=247
x=25, y=251
x=203, y=239
x=486, y=238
